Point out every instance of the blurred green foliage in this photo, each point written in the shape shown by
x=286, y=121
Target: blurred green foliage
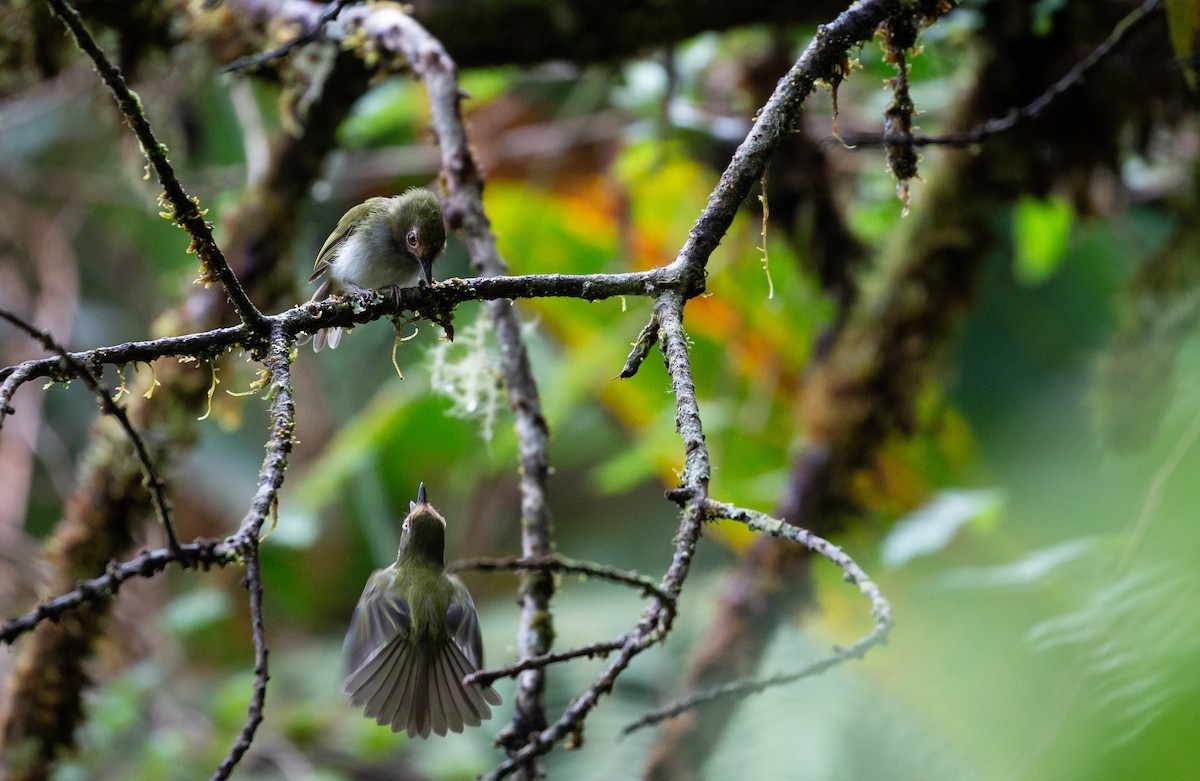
x=1046, y=631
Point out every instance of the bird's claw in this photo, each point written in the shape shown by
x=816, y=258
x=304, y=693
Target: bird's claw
x=392, y=292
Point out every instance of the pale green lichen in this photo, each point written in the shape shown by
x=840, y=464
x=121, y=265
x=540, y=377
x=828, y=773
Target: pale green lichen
x=466, y=371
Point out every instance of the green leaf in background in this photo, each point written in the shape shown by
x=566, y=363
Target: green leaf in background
x=382, y=115
x=1029, y=570
x=1041, y=231
x=195, y=611
x=931, y=528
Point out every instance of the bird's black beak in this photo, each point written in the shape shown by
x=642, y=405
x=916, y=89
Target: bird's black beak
x=421, y=495
x=427, y=271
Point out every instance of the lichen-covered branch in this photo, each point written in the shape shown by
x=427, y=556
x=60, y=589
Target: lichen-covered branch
x=463, y=209
x=346, y=311
x=822, y=60
x=881, y=611
x=184, y=209
x=245, y=542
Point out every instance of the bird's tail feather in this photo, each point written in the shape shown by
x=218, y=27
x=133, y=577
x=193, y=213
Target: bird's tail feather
x=419, y=693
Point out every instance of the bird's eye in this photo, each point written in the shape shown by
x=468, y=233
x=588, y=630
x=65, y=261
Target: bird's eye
x=412, y=238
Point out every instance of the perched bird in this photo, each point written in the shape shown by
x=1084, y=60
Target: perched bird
x=414, y=636
x=382, y=242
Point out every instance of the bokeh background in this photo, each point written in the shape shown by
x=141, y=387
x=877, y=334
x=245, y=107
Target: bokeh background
x=1035, y=532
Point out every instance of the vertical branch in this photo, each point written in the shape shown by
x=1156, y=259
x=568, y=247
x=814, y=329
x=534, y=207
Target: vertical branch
x=245, y=541
x=464, y=210
x=657, y=618
x=278, y=364
x=535, y=632
x=254, y=713
x=673, y=342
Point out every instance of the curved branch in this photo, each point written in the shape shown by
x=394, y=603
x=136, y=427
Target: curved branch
x=154, y=483
x=881, y=611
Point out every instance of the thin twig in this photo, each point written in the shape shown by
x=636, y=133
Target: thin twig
x=641, y=348
x=487, y=677
x=1076, y=76
x=251, y=61
x=880, y=608
x=156, y=485
x=185, y=210
x=746, y=688
x=881, y=611
x=557, y=563
x=254, y=711
x=147, y=564
x=656, y=620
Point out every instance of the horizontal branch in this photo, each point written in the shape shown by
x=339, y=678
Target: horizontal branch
x=147, y=564
x=356, y=309
x=881, y=609
x=556, y=563
x=487, y=33
x=602, y=649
